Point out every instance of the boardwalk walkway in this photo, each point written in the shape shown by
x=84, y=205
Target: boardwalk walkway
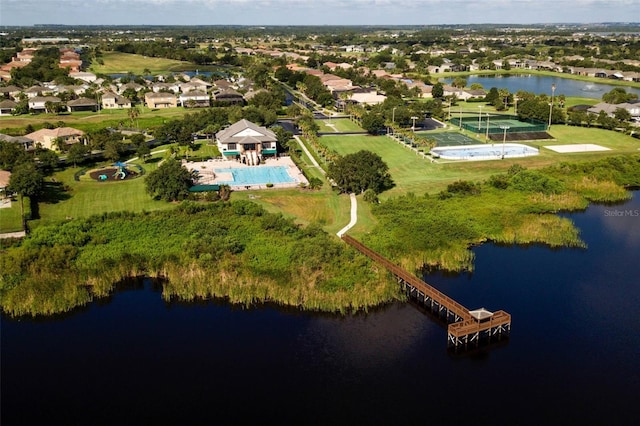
x=466, y=327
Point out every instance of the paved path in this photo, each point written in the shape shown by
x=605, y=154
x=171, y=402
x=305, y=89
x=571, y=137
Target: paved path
x=20, y=234
x=306, y=151
x=354, y=216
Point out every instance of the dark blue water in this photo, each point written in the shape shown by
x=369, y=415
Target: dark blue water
x=540, y=84
x=572, y=357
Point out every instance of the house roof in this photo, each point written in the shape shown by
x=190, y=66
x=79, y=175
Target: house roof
x=159, y=95
x=60, y=132
x=10, y=89
x=53, y=99
x=5, y=176
x=227, y=93
x=8, y=104
x=193, y=94
x=82, y=102
x=15, y=139
x=244, y=129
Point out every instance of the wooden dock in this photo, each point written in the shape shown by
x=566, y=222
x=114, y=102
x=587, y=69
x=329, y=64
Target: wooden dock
x=465, y=327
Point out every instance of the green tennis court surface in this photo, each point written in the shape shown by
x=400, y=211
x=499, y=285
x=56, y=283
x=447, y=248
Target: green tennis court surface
x=452, y=139
x=497, y=124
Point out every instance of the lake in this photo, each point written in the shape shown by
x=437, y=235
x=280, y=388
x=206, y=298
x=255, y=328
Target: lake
x=133, y=359
x=539, y=84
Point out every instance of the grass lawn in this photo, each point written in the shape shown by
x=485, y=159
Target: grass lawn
x=86, y=197
x=324, y=207
x=123, y=63
x=10, y=217
x=338, y=125
x=412, y=173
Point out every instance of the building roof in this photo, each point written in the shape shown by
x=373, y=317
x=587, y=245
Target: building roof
x=8, y=104
x=481, y=314
x=5, y=176
x=82, y=102
x=243, y=129
x=60, y=132
x=15, y=139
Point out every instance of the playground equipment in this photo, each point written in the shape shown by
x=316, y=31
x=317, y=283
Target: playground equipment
x=121, y=172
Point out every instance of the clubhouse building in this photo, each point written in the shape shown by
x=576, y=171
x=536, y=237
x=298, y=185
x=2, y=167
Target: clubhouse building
x=247, y=142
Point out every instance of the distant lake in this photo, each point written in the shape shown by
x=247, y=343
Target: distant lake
x=134, y=359
x=539, y=84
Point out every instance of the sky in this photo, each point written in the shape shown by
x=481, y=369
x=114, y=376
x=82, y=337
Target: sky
x=315, y=12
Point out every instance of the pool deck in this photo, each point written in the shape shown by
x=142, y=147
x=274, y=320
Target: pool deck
x=208, y=176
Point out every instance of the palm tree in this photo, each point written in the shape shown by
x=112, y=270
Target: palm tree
x=133, y=113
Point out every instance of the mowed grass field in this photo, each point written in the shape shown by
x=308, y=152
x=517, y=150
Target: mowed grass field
x=412, y=173
x=87, y=197
x=337, y=125
x=123, y=63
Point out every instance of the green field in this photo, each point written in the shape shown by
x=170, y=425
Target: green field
x=123, y=63
x=412, y=173
x=87, y=197
x=338, y=125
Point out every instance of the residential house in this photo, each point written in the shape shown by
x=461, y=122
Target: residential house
x=35, y=91
x=228, y=97
x=246, y=142
x=82, y=104
x=7, y=107
x=48, y=138
x=463, y=94
x=367, y=98
x=112, y=101
x=40, y=103
x=194, y=99
x=11, y=92
x=194, y=85
x=87, y=77
x=610, y=109
x=223, y=84
x=160, y=100
x=130, y=85
x=166, y=87
x=26, y=143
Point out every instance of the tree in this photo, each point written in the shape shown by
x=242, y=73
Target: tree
x=618, y=96
x=133, y=114
x=622, y=114
x=373, y=123
x=27, y=181
x=170, y=182
x=113, y=150
x=459, y=82
x=360, y=171
x=11, y=155
x=76, y=153
x=47, y=160
x=437, y=91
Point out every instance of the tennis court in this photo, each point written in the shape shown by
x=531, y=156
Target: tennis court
x=452, y=139
x=497, y=123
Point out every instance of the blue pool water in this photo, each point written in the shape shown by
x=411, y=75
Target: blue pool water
x=484, y=152
x=258, y=175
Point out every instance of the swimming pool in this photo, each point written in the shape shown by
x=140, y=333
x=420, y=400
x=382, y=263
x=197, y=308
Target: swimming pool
x=484, y=152
x=256, y=175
